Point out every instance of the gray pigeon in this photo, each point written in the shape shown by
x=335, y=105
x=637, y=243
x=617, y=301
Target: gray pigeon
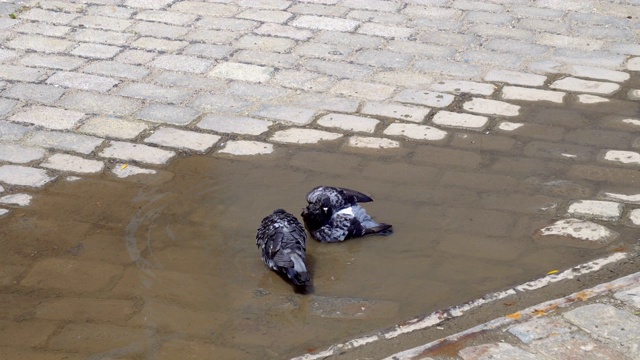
x=282, y=239
x=333, y=215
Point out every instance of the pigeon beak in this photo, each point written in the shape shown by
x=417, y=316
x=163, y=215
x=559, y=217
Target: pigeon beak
x=325, y=209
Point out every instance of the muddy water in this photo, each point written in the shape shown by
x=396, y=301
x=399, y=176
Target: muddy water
x=175, y=259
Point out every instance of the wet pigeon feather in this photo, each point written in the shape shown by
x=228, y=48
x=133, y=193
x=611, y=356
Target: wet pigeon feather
x=282, y=239
x=338, y=198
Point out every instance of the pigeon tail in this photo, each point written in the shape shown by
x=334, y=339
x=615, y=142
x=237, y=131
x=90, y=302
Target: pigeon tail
x=380, y=229
x=298, y=273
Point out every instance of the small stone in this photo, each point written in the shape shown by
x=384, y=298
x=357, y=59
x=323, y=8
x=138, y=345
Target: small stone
x=509, y=126
x=244, y=147
x=459, y=120
x=591, y=99
x=303, y=136
x=596, y=209
x=372, y=142
x=415, y=131
x=622, y=157
x=16, y=199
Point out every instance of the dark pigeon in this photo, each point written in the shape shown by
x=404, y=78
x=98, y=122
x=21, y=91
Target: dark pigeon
x=333, y=215
x=282, y=239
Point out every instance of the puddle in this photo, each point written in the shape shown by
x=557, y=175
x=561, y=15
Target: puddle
x=174, y=256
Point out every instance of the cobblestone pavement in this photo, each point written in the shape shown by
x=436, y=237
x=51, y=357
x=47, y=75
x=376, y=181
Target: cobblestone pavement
x=126, y=86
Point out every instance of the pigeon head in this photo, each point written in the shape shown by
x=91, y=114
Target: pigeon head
x=319, y=213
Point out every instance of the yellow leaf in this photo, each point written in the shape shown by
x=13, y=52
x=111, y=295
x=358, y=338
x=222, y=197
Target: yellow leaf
x=539, y=312
x=552, y=272
x=124, y=166
x=514, y=316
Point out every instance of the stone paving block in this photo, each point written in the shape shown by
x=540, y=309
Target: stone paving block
x=232, y=24
x=532, y=130
x=190, y=81
x=98, y=338
x=111, y=127
x=83, y=144
x=492, y=58
x=367, y=142
x=460, y=120
x=40, y=44
x=34, y=92
x=515, y=77
x=634, y=94
x=208, y=51
x=327, y=102
x=100, y=103
x=265, y=43
x=497, y=31
x=227, y=37
x=496, y=351
x=606, y=321
x=395, y=111
x=622, y=157
x=386, y=31
x=325, y=23
x=49, y=117
x=205, y=9
x=6, y=106
x=24, y=176
x=461, y=86
x=182, y=139
x=12, y=132
x=181, y=63
x=283, y=31
x=377, y=5
x=52, y=61
x=417, y=132
x=340, y=70
x=168, y=114
x=169, y=17
x=102, y=22
x=147, y=28
x=244, y=147
x=516, y=47
x=319, y=7
x=634, y=217
x=579, y=230
x=348, y=122
x=631, y=296
x=136, y=152
x=96, y=51
x=334, y=52
x=540, y=328
x=269, y=16
x=447, y=67
x=155, y=44
x=116, y=69
x=21, y=73
x=589, y=58
x=491, y=107
x=287, y=114
x=598, y=73
x=421, y=50
x=155, y=93
x=16, y=199
x=349, y=39
x=125, y=170
x=75, y=164
x=19, y=154
x=119, y=12
x=256, y=92
x=303, y=136
x=367, y=90
x=148, y=4
x=25, y=333
x=578, y=85
x=102, y=37
x=6, y=55
x=82, y=81
x=575, y=346
x=383, y=58
x=528, y=94
x=633, y=64
x=427, y=98
x=304, y=80
x=242, y=72
x=42, y=29
x=220, y=103
x=54, y=17
x=596, y=209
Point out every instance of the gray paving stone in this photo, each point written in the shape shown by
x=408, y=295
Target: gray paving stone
x=136, y=152
x=52, y=61
x=102, y=22
x=148, y=4
x=427, y=98
x=234, y=124
x=99, y=103
x=255, y=91
x=111, y=127
x=338, y=69
x=517, y=47
x=270, y=16
x=168, y=114
x=155, y=93
x=496, y=351
x=16, y=199
x=55, y=17
x=40, y=43
x=589, y=58
x=597, y=73
x=181, y=63
x=182, y=139
x=119, y=12
x=102, y=37
x=366, y=142
x=242, y=72
x=147, y=28
x=155, y=44
x=265, y=43
x=625, y=48
x=528, y=94
x=42, y=29
x=287, y=114
x=96, y=51
x=349, y=122
x=462, y=86
x=631, y=296
x=421, y=50
x=245, y=147
x=303, y=136
x=460, y=120
x=349, y=39
x=377, y=5
x=116, y=69
x=272, y=29
x=606, y=321
x=82, y=81
x=21, y=73
x=79, y=143
x=587, y=86
x=20, y=154
x=396, y=111
x=6, y=55
x=386, y=31
x=325, y=23
x=383, y=58
x=510, y=61
x=540, y=328
x=208, y=51
x=488, y=18
x=491, y=107
x=515, y=77
x=220, y=103
x=135, y=57
x=49, y=117
x=446, y=67
x=410, y=79
x=12, y=132
x=449, y=39
x=267, y=59
x=169, y=17
x=24, y=176
x=6, y=106
x=326, y=102
x=496, y=31
x=232, y=24
x=322, y=8
x=578, y=346
x=304, y=80
x=34, y=92
x=205, y=9
x=75, y=164
x=596, y=209
x=361, y=89
x=168, y=78
x=221, y=37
